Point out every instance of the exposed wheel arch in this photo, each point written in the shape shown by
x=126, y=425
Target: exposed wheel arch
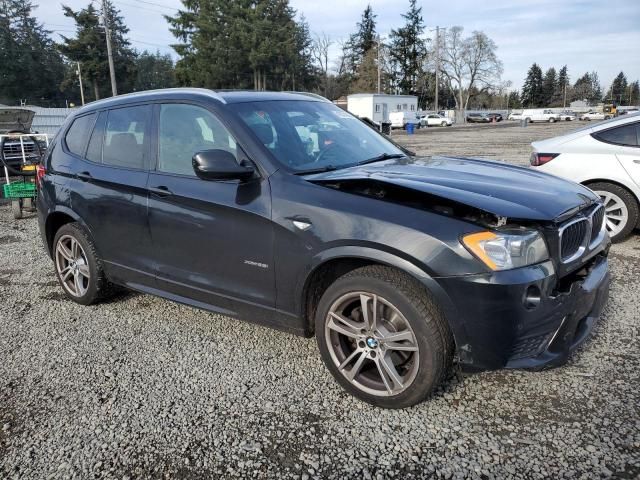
x=591, y=181
x=325, y=273
x=54, y=221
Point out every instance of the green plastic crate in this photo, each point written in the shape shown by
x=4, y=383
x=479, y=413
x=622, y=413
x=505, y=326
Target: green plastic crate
x=19, y=190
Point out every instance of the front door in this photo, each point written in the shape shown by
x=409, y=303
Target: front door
x=212, y=240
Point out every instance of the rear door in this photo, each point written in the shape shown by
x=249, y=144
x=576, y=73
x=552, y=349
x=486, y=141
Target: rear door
x=110, y=192
x=625, y=141
x=212, y=240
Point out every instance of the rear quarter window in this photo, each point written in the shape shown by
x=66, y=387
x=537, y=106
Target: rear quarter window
x=625, y=135
x=76, y=137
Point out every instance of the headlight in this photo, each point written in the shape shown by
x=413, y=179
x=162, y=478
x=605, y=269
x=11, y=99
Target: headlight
x=506, y=250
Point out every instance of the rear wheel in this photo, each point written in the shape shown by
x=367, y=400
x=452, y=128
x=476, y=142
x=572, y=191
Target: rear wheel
x=78, y=267
x=552, y=120
x=443, y=124
x=383, y=337
x=621, y=209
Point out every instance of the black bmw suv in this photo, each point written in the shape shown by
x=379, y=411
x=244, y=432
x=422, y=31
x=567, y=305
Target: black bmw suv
x=282, y=209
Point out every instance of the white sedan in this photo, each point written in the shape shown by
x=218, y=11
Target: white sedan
x=435, y=120
x=594, y=116
x=606, y=158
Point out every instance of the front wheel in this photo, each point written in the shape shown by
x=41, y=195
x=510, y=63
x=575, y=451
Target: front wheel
x=552, y=120
x=621, y=209
x=383, y=337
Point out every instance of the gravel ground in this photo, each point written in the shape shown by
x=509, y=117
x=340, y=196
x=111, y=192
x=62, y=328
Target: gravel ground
x=505, y=140
x=140, y=387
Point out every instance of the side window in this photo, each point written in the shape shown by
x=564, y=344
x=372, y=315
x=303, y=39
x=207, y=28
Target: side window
x=626, y=135
x=186, y=130
x=94, y=150
x=76, y=137
x=126, y=139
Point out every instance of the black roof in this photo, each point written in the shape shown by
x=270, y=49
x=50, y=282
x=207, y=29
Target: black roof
x=222, y=96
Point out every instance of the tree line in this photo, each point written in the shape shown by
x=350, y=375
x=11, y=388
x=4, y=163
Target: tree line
x=37, y=70
x=267, y=45
x=554, y=89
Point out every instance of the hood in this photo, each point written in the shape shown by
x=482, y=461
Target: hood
x=12, y=119
x=495, y=187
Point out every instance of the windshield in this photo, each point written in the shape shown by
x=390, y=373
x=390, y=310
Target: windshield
x=308, y=135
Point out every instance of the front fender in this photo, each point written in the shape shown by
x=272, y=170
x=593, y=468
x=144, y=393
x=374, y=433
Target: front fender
x=385, y=258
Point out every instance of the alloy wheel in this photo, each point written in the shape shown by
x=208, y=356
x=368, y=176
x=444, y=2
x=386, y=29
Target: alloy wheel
x=72, y=266
x=616, y=212
x=372, y=344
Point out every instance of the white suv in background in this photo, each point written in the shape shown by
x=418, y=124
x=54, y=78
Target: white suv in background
x=606, y=158
x=540, y=115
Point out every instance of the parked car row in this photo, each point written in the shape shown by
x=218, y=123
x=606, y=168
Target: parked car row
x=483, y=117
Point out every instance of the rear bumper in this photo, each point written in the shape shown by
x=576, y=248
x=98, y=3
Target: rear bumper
x=501, y=329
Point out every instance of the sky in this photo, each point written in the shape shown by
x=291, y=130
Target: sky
x=585, y=35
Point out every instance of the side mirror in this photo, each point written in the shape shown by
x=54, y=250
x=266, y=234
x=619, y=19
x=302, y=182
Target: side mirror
x=220, y=165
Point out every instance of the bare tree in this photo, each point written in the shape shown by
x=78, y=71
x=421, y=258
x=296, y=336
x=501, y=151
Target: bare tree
x=469, y=64
x=320, y=55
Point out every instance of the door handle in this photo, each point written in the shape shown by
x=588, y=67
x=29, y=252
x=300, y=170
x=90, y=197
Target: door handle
x=161, y=191
x=636, y=161
x=84, y=176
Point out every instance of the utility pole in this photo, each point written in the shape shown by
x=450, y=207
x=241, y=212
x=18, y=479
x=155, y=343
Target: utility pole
x=112, y=72
x=437, y=66
x=80, y=80
x=564, y=95
x=379, y=66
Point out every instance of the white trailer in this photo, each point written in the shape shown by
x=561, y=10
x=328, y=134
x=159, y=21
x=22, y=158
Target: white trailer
x=378, y=106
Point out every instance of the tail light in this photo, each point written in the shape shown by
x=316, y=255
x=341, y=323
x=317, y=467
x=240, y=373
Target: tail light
x=538, y=159
x=40, y=172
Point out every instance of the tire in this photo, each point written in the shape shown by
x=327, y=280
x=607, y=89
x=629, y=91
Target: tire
x=443, y=124
x=16, y=208
x=29, y=205
x=614, y=196
x=416, y=316
x=552, y=120
x=93, y=285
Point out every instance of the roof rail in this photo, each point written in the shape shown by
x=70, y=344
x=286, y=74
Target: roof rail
x=309, y=94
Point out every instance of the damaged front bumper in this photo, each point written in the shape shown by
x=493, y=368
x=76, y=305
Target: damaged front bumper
x=527, y=317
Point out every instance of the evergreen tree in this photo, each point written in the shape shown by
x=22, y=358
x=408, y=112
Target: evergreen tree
x=634, y=93
x=241, y=44
x=618, y=92
x=89, y=49
x=587, y=88
x=532, y=88
x=408, y=50
x=549, y=88
x=513, y=100
x=361, y=42
x=154, y=70
x=562, y=92
x=32, y=69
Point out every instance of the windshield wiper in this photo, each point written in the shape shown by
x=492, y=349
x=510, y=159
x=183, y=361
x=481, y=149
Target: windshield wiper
x=381, y=157
x=327, y=168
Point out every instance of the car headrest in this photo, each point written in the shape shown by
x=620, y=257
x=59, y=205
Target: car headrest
x=264, y=132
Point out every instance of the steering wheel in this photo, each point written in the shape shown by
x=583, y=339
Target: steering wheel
x=323, y=153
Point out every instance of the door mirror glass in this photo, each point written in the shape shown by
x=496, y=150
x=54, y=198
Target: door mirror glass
x=220, y=165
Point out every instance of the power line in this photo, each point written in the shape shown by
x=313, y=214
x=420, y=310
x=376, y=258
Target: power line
x=158, y=5
x=139, y=6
